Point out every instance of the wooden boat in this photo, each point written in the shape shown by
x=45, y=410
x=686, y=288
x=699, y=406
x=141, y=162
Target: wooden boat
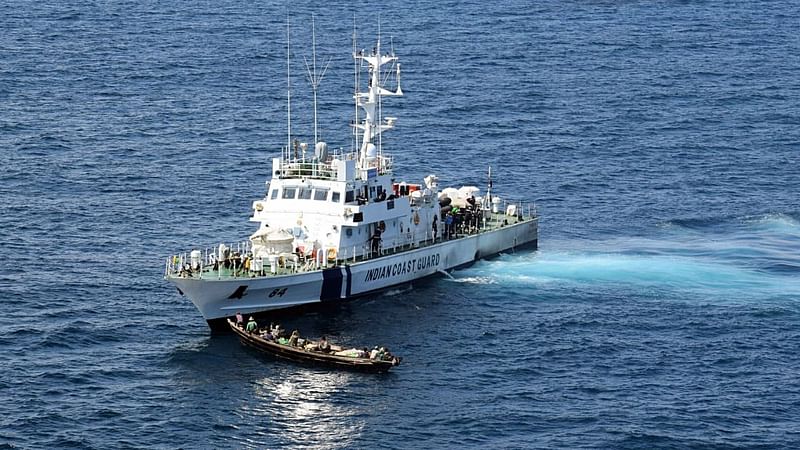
x=309, y=356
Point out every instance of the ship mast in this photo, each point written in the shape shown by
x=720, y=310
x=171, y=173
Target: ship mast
x=371, y=126
x=355, y=85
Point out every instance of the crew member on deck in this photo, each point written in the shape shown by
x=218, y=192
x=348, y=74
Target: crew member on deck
x=448, y=225
x=376, y=241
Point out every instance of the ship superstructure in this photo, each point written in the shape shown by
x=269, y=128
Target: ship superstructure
x=338, y=224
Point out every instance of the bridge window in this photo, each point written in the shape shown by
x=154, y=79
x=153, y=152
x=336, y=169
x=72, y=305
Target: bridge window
x=274, y=194
x=320, y=194
x=335, y=197
x=305, y=193
x=349, y=196
x=289, y=192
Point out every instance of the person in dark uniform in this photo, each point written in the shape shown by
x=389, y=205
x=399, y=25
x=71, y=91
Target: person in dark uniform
x=376, y=240
x=448, y=225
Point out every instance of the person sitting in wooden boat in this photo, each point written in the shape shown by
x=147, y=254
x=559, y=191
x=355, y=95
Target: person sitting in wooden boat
x=294, y=338
x=252, y=325
x=383, y=354
x=324, y=346
x=266, y=334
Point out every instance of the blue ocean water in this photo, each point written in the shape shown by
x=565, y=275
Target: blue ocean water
x=660, y=141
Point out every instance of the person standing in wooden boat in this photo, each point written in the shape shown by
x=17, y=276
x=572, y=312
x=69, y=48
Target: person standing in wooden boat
x=294, y=338
x=252, y=325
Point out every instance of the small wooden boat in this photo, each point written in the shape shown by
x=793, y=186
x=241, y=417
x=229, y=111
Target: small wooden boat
x=311, y=356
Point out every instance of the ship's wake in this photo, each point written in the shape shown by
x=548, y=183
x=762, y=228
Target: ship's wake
x=738, y=257
x=595, y=267
x=473, y=280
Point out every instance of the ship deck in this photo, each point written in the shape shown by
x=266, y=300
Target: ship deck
x=180, y=266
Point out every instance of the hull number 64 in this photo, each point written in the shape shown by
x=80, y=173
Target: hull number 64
x=277, y=292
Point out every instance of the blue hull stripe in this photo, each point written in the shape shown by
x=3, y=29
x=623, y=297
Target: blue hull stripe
x=331, y=284
x=349, y=281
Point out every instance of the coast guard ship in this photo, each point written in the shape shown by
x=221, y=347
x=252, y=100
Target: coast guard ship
x=336, y=225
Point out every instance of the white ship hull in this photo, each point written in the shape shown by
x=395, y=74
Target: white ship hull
x=218, y=299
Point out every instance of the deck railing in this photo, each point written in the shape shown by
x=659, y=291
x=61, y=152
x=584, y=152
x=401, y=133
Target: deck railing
x=323, y=170
x=238, y=262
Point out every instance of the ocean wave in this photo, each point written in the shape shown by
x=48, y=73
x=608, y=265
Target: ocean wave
x=779, y=222
x=775, y=221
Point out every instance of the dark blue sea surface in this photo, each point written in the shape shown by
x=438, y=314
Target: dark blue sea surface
x=660, y=141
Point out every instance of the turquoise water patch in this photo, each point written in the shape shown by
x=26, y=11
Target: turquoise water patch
x=668, y=271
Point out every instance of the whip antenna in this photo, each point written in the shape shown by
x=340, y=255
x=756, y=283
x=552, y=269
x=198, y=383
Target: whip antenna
x=288, y=94
x=313, y=77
